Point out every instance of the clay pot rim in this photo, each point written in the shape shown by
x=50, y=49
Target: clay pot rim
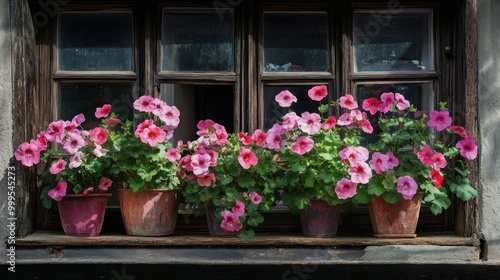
x=148, y=190
x=87, y=195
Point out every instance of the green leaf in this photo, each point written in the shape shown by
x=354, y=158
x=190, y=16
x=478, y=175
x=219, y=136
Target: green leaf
x=323, y=108
x=147, y=173
x=298, y=167
x=255, y=219
x=326, y=156
x=246, y=235
x=392, y=197
x=46, y=199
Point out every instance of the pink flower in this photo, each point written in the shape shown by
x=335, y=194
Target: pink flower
x=245, y=139
x=159, y=107
x=460, y=130
x=145, y=103
x=105, y=183
x=439, y=120
x=99, y=135
x=407, y=187
x=290, y=121
x=102, y=112
x=259, y=137
x=247, y=158
x=392, y=161
x=73, y=143
x=56, y=131
x=88, y=190
x=310, y=123
x=354, y=155
x=388, y=100
x=239, y=208
x=285, y=98
x=153, y=135
x=348, y=102
x=171, y=116
x=436, y=178
x=360, y=173
x=379, y=162
x=371, y=104
x=426, y=156
x=366, y=126
x=317, y=93
x=200, y=163
x=78, y=119
x=206, y=180
x=76, y=160
x=401, y=102
x=273, y=141
x=59, y=191
x=345, y=189
x=99, y=151
x=302, y=145
x=28, y=153
x=255, y=198
x=345, y=119
x=173, y=155
x=185, y=162
x=41, y=141
x=57, y=167
x=142, y=127
x=468, y=148
x=329, y=123
x=70, y=127
x=231, y=221
x=112, y=121
x=204, y=127
x=213, y=157
x=438, y=161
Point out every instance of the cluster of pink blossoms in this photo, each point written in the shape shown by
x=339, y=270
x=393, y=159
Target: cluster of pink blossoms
x=231, y=219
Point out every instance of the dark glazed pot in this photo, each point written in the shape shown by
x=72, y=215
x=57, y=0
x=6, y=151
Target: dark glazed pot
x=320, y=219
x=214, y=228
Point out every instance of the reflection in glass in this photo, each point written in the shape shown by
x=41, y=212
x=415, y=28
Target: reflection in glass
x=273, y=112
x=295, y=42
x=76, y=98
x=397, y=42
x=96, y=41
x=198, y=40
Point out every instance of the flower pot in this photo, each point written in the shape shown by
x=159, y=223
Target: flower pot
x=214, y=228
x=398, y=220
x=320, y=219
x=82, y=215
x=149, y=212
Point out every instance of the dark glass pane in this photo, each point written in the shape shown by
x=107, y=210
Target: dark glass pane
x=96, y=41
x=273, y=112
x=76, y=98
x=295, y=42
x=393, y=42
x=198, y=40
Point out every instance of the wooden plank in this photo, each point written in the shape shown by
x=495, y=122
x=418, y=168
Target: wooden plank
x=95, y=75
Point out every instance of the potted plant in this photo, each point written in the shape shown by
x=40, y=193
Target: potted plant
x=229, y=176
x=417, y=157
x=145, y=164
x=77, y=177
x=323, y=160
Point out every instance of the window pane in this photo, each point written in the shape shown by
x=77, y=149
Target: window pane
x=393, y=42
x=296, y=41
x=198, y=40
x=76, y=98
x=273, y=112
x=96, y=41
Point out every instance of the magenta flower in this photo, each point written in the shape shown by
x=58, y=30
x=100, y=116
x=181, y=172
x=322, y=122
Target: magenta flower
x=310, y=123
x=371, y=104
x=392, y=161
x=58, y=166
x=468, y=148
x=273, y=141
x=436, y=178
x=439, y=120
x=28, y=153
x=290, y=121
x=145, y=103
x=317, y=93
x=206, y=180
x=285, y=98
x=41, y=141
x=99, y=151
x=231, y=221
x=78, y=119
x=159, y=107
x=388, y=100
x=460, y=130
x=173, y=155
x=354, y=155
x=76, y=160
x=345, y=189
x=204, y=127
x=88, y=190
x=438, y=161
x=112, y=121
x=329, y=123
x=171, y=116
x=103, y=112
x=426, y=156
x=407, y=187
x=360, y=173
x=247, y=158
x=366, y=126
x=99, y=135
x=302, y=145
x=153, y=135
x=345, y=119
x=401, y=102
x=255, y=198
x=213, y=157
x=73, y=143
x=379, y=162
x=105, y=183
x=56, y=131
x=259, y=137
x=200, y=163
x=59, y=191
x=244, y=138
x=239, y=208
x=185, y=162
x=347, y=101
x=142, y=127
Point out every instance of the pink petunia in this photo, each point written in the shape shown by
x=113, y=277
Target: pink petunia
x=371, y=104
x=439, y=120
x=206, y=180
x=99, y=151
x=103, y=112
x=88, y=190
x=290, y=121
x=73, y=143
x=28, y=153
x=230, y=221
x=329, y=123
x=392, y=161
x=70, y=127
x=153, y=135
x=239, y=208
x=347, y=101
x=59, y=191
x=302, y=145
x=317, y=93
x=354, y=155
x=244, y=138
x=273, y=141
x=200, y=163
x=213, y=157
x=360, y=173
x=460, y=130
x=159, y=107
x=310, y=123
x=171, y=116
x=112, y=121
x=145, y=103
x=401, y=102
x=143, y=126
x=99, y=135
x=379, y=162
x=438, y=161
x=204, y=127
x=436, y=178
x=41, y=141
x=78, y=119
x=345, y=188
x=468, y=148
x=172, y=155
x=366, y=126
x=55, y=131
x=255, y=198
x=247, y=158
x=105, y=183
x=259, y=137
x=425, y=155
x=76, y=160
x=185, y=162
x=407, y=187
x=285, y=98
x=388, y=100
x=58, y=166
x=345, y=119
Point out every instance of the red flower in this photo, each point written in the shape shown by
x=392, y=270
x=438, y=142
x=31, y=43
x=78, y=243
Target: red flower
x=436, y=177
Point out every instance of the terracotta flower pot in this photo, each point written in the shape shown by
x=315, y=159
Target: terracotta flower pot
x=214, y=228
x=149, y=212
x=320, y=219
x=397, y=220
x=83, y=215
